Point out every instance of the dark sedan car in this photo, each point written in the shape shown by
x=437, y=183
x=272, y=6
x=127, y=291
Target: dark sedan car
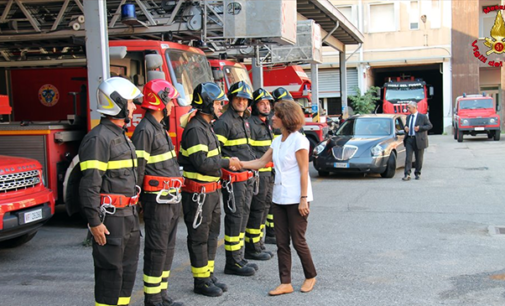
x=366, y=144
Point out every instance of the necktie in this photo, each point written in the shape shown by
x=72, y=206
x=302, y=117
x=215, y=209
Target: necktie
x=411, y=126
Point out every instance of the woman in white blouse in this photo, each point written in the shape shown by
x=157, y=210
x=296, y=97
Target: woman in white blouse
x=292, y=193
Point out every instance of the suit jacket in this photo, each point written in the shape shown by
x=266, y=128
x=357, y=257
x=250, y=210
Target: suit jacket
x=422, y=135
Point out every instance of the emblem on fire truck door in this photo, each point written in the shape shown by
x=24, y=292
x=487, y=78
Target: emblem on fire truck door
x=48, y=95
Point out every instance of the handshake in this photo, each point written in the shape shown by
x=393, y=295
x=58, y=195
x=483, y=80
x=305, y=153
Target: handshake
x=235, y=164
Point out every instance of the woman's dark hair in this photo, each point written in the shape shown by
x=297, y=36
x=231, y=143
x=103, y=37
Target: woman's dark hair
x=290, y=114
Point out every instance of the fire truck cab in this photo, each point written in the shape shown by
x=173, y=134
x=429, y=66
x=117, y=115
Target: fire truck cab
x=475, y=114
x=399, y=91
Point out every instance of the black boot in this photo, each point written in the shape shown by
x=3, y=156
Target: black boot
x=206, y=287
x=264, y=249
x=217, y=283
x=168, y=301
x=270, y=240
x=257, y=255
x=250, y=264
x=239, y=268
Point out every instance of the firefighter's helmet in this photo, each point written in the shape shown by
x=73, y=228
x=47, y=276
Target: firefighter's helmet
x=204, y=96
x=113, y=95
x=281, y=94
x=242, y=90
x=157, y=94
x=258, y=95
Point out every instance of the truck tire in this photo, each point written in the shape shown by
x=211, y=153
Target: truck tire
x=390, y=167
x=460, y=136
x=15, y=242
x=497, y=135
x=455, y=132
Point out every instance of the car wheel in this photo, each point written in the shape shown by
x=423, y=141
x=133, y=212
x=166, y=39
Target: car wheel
x=460, y=136
x=455, y=132
x=390, y=167
x=496, y=135
x=323, y=173
x=15, y=242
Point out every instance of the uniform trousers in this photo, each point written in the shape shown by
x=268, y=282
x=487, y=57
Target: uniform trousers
x=235, y=222
x=161, y=231
x=202, y=241
x=116, y=261
x=290, y=225
x=260, y=206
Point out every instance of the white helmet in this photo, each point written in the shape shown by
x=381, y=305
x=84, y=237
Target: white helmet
x=113, y=95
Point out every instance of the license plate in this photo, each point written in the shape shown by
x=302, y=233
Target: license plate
x=479, y=128
x=33, y=215
x=341, y=165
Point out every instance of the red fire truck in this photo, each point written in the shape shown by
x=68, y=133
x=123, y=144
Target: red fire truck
x=25, y=203
x=48, y=124
x=399, y=91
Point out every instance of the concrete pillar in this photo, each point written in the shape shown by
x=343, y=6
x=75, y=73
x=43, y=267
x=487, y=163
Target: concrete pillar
x=97, y=52
x=314, y=77
x=343, y=83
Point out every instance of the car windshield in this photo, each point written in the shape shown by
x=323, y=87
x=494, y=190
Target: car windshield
x=236, y=74
x=188, y=69
x=365, y=127
x=402, y=92
x=476, y=103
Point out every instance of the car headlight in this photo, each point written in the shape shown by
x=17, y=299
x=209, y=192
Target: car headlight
x=378, y=150
x=464, y=122
x=492, y=121
x=320, y=147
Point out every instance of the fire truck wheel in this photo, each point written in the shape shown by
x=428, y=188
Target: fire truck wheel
x=391, y=167
x=460, y=136
x=313, y=144
x=15, y=242
x=490, y=135
x=496, y=135
x=455, y=132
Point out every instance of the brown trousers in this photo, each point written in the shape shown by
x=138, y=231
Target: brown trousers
x=290, y=225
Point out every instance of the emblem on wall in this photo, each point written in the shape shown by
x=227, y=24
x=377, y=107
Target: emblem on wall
x=48, y=95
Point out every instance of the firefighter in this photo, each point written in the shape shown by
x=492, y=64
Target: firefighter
x=108, y=193
x=158, y=172
x=261, y=139
x=232, y=130
x=201, y=160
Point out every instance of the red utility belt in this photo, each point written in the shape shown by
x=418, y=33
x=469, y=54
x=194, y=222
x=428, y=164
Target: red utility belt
x=269, y=165
x=157, y=183
x=236, y=176
x=118, y=200
x=197, y=187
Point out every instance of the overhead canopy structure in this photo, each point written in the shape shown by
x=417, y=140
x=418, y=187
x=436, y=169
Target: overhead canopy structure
x=325, y=14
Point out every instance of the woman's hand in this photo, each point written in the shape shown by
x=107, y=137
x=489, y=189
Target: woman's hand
x=303, y=207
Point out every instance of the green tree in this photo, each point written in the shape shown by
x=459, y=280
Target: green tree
x=364, y=103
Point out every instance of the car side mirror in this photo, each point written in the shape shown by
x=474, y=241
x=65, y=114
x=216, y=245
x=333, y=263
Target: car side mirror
x=455, y=110
x=498, y=108
x=400, y=132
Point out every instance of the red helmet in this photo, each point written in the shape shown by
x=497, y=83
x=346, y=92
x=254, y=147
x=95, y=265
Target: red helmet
x=157, y=91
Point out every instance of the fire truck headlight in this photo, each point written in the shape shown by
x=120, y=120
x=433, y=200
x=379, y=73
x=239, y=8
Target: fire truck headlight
x=464, y=122
x=492, y=121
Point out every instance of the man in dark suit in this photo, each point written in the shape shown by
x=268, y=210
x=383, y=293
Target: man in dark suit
x=416, y=139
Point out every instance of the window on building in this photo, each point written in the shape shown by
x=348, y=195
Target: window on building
x=414, y=15
x=350, y=13
x=434, y=16
x=486, y=21
x=382, y=18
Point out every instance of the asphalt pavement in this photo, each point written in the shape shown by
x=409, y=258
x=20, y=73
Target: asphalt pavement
x=374, y=241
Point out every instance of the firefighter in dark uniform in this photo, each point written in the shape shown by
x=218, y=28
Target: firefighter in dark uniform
x=261, y=139
x=108, y=193
x=201, y=160
x=158, y=172
x=232, y=130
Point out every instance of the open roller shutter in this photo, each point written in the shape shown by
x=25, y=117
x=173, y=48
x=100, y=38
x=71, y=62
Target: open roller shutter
x=329, y=82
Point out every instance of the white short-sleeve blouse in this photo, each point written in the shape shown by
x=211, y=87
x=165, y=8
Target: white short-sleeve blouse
x=287, y=187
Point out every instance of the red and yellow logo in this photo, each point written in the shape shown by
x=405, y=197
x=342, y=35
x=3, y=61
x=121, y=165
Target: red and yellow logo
x=48, y=95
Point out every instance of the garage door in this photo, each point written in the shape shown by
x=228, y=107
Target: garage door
x=329, y=82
